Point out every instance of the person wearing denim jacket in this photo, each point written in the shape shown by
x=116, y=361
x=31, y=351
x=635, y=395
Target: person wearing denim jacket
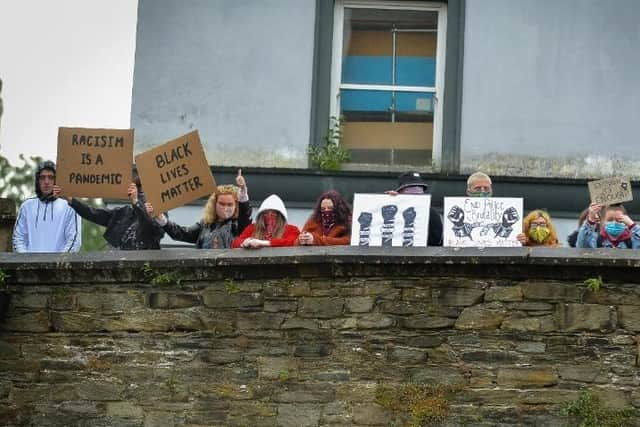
x=617, y=230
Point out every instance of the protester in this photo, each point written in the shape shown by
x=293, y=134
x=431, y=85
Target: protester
x=330, y=222
x=270, y=227
x=573, y=237
x=226, y=214
x=617, y=230
x=538, y=230
x=479, y=185
x=128, y=227
x=412, y=183
x=46, y=223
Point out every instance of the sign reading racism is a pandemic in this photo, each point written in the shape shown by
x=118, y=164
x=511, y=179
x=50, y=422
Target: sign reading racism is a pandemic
x=175, y=173
x=94, y=162
x=610, y=191
x=385, y=220
x=482, y=221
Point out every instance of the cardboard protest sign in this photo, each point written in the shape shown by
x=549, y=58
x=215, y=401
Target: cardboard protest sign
x=94, y=162
x=610, y=191
x=482, y=221
x=175, y=173
x=384, y=220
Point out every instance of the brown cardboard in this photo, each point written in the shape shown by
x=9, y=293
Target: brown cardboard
x=379, y=43
x=175, y=173
x=94, y=162
x=610, y=191
x=384, y=135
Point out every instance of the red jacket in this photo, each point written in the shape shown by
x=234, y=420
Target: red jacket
x=338, y=234
x=288, y=238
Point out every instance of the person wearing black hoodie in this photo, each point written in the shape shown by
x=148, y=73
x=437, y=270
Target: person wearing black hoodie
x=46, y=223
x=128, y=227
x=412, y=183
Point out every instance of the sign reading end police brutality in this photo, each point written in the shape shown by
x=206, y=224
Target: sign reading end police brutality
x=94, y=162
x=175, y=173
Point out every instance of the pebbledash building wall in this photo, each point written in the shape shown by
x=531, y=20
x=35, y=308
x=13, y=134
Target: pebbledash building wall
x=541, y=94
x=530, y=88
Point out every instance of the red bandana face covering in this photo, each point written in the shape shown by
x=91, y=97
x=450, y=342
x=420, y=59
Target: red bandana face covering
x=270, y=222
x=328, y=221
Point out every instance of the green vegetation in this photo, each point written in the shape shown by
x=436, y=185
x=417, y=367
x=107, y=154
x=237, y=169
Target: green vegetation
x=594, y=283
x=592, y=412
x=3, y=280
x=425, y=403
x=284, y=375
x=230, y=286
x=332, y=154
x=155, y=277
x=172, y=385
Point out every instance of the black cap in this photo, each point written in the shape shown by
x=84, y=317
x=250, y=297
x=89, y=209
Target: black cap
x=411, y=179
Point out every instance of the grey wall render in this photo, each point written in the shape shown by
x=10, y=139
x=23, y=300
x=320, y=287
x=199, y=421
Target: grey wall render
x=238, y=71
x=551, y=87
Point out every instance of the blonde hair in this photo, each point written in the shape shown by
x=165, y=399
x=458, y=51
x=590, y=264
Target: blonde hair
x=477, y=175
x=209, y=213
x=552, y=240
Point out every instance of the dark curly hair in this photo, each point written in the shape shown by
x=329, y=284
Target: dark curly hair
x=340, y=207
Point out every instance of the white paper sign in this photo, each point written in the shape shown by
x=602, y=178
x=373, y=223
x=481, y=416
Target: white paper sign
x=482, y=221
x=384, y=220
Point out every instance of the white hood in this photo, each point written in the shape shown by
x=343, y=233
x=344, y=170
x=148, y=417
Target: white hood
x=275, y=203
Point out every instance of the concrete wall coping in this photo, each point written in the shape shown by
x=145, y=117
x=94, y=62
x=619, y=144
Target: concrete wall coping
x=549, y=263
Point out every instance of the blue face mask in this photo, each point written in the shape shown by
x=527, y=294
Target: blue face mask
x=614, y=228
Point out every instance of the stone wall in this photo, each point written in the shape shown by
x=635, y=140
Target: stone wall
x=315, y=336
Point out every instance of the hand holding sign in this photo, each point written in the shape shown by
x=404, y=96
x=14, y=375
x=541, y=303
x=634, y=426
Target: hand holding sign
x=132, y=193
x=594, y=212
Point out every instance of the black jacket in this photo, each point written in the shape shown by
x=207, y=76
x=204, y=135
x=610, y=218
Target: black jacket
x=129, y=227
x=212, y=236
x=435, y=228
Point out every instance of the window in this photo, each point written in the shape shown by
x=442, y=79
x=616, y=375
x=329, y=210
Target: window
x=387, y=80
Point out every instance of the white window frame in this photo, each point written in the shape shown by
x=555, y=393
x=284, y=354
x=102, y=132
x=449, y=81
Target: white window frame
x=441, y=46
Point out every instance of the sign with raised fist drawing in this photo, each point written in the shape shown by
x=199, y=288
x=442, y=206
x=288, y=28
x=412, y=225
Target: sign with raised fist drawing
x=385, y=220
x=482, y=221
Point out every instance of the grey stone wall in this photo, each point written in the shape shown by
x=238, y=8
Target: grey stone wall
x=309, y=336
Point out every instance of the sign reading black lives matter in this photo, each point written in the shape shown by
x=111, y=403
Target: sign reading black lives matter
x=610, y=191
x=94, y=162
x=175, y=173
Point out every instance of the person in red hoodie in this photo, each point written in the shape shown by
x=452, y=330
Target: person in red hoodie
x=270, y=228
x=329, y=224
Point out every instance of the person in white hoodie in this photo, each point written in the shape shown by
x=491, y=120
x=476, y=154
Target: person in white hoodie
x=46, y=223
x=270, y=229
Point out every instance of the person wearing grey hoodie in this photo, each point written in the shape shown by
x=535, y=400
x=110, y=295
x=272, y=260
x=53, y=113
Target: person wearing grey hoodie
x=46, y=223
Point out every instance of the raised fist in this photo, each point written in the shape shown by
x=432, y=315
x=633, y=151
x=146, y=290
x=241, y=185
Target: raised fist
x=509, y=217
x=389, y=212
x=456, y=216
x=365, y=219
x=409, y=215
